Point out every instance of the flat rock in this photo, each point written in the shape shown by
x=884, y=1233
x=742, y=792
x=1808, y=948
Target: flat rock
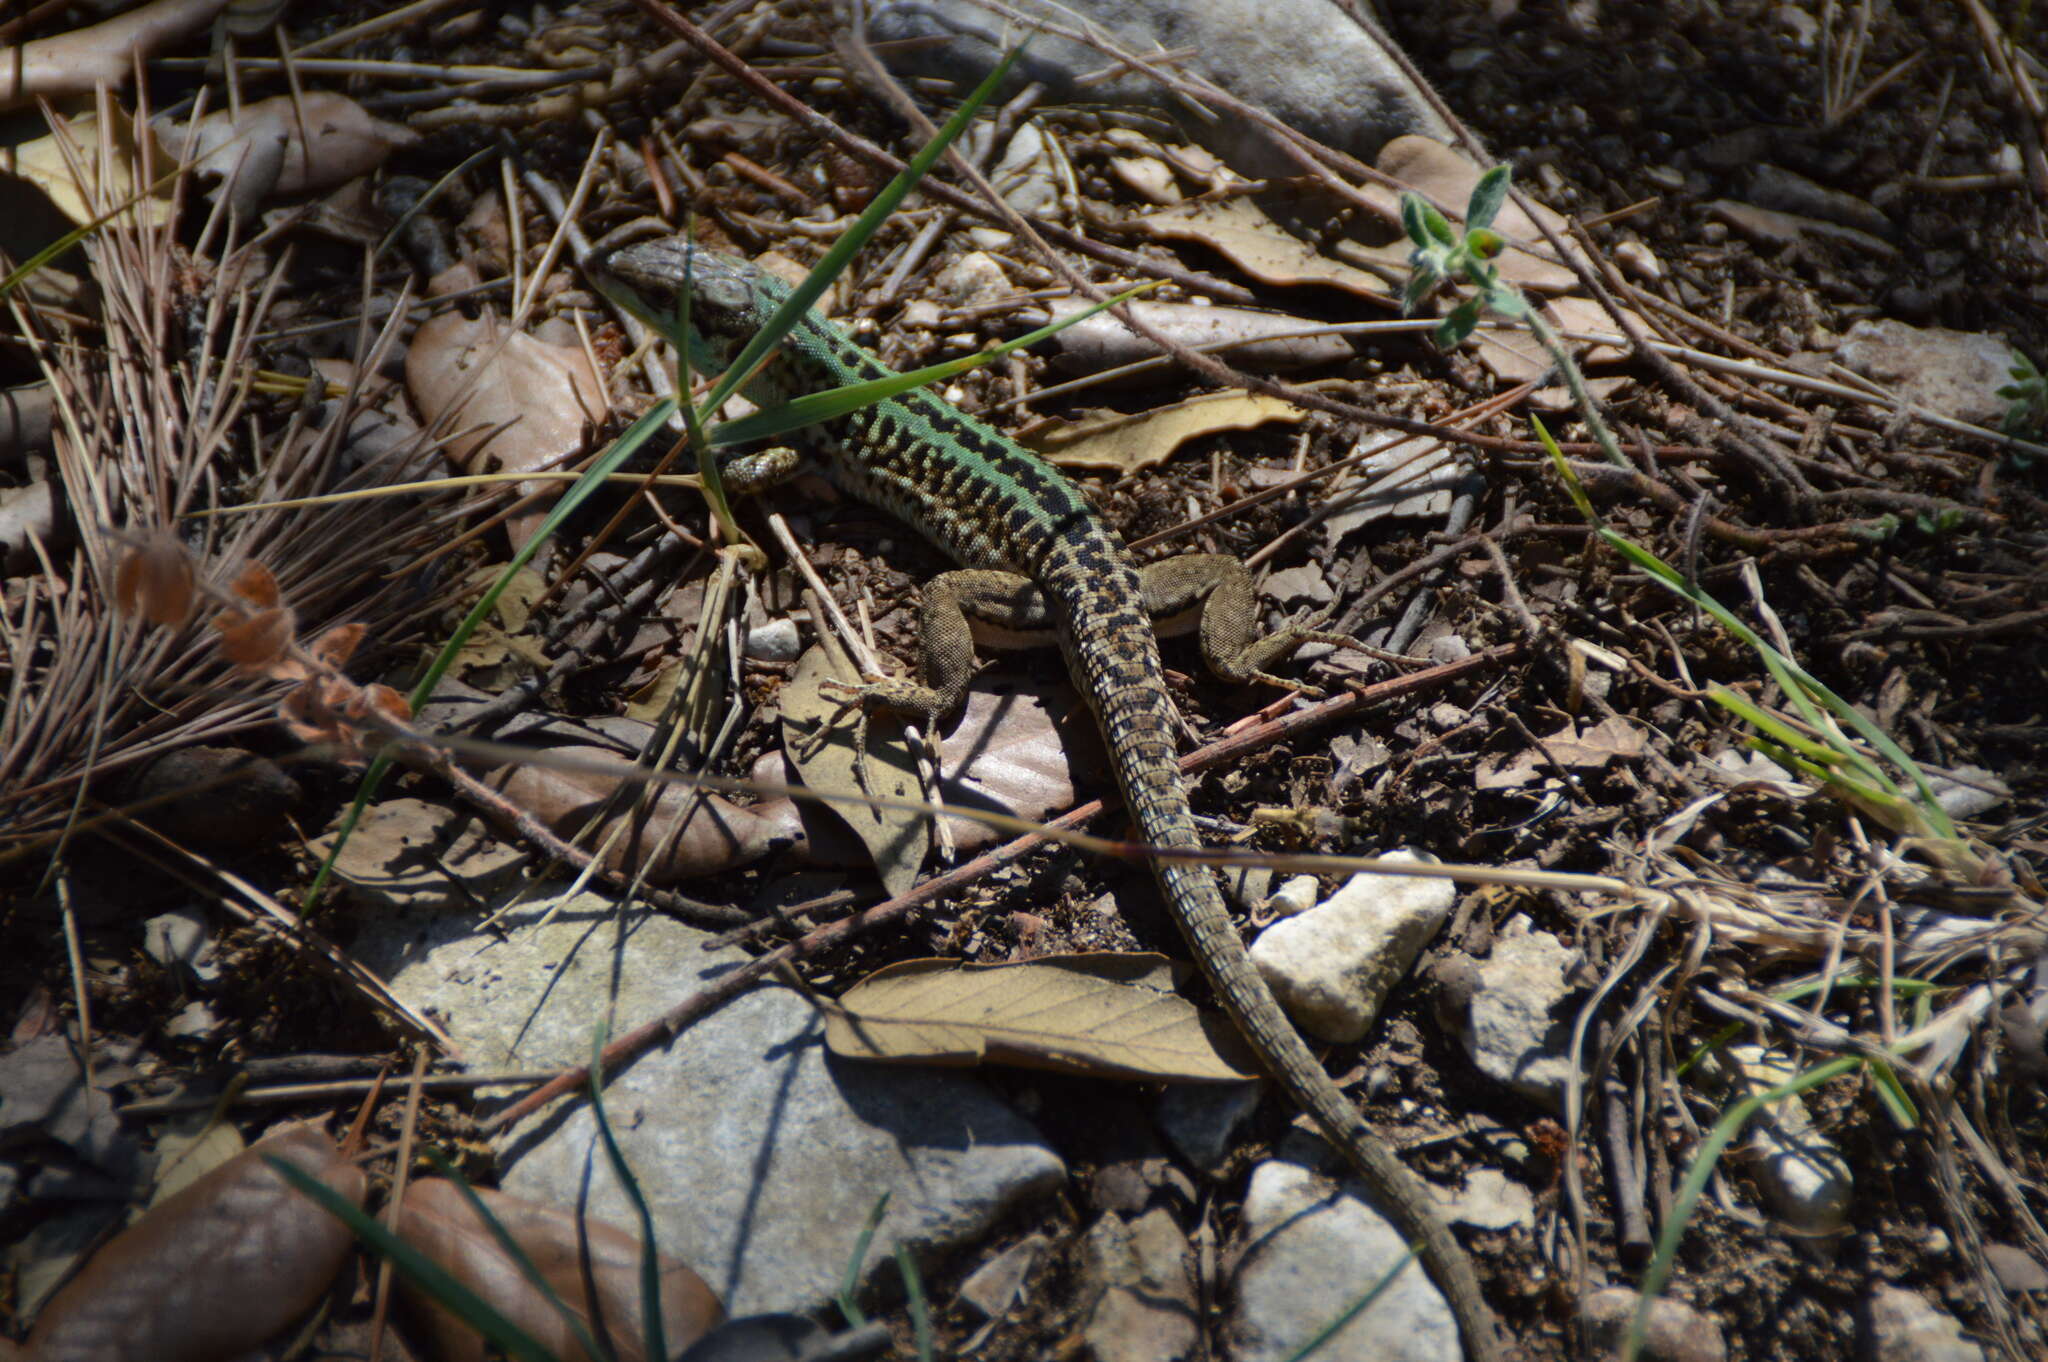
x=759, y=1155
x=1333, y=966
x=1893, y=1325
x=1509, y=1027
x=1956, y=374
x=1312, y=1250
x=1306, y=62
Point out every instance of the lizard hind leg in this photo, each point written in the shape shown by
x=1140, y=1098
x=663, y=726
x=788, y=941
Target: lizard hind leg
x=1001, y=609
x=1214, y=593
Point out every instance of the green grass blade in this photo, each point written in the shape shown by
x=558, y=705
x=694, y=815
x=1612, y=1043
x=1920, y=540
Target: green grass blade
x=653, y=1330
x=842, y=251
x=639, y=433
x=1724, y=1132
x=812, y=408
x=850, y=1279
x=920, y=1305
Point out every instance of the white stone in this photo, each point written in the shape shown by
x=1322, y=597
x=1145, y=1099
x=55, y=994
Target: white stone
x=1333, y=967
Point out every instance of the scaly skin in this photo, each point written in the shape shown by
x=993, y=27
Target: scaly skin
x=999, y=509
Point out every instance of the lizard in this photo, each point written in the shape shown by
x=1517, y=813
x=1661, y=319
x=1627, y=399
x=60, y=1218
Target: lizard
x=1039, y=561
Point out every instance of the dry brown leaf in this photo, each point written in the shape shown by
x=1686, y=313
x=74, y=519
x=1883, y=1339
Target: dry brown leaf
x=255, y=585
x=1011, y=751
x=75, y=63
x=438, y=1220
x=897, y=839
x=214, y=1270
x=507, y=400
x=66, y=165
x=290, y=145
x=156, y=582
x=189, y=1150
x=1126, y=442
x=1242, y=233
x=1108, y=1015
x=1612, y=737
x=255, y=643
x=719, y=835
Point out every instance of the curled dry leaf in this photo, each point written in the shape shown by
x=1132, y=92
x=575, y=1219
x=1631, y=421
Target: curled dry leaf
x=720, y=835
x=508, y=401
x=337, y=713
x=337, y=645
x=156, y=582
x=1103, y=1014
x=256, y=585
x=77, y=62
x=570, y=1252
x=212, y=1271
x=1129, y=441
x=255, y=643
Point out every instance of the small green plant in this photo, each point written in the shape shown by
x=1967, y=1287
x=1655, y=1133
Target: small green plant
x=1442, y=255
x=2026, y=397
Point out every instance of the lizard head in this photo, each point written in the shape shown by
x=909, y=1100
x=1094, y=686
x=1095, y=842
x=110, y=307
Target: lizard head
x=729, y=298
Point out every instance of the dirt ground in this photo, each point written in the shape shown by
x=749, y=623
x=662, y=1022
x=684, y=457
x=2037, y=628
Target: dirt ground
x=1903, y=563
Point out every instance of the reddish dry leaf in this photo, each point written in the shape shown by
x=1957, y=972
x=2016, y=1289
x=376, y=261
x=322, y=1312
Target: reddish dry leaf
x=254, y=643
x=718, y=835
x=338, y=644
x=212, y=1271
x=389, y=703
x=156, y=583
x=255, y=584
x=438, y=1220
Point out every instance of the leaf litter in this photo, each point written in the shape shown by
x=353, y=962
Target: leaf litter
x=1851, y=510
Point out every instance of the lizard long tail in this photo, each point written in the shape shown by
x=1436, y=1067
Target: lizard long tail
x=1136, y=715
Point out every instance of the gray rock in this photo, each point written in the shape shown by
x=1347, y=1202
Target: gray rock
x=181, y=939
x=1951, y=373
x=1333, y=967
x=1311, y=1252
x=775, y=641
x=1296, y=896
x=1491, y=1201
x=1145, y=1309
x=760, y=1156
x=1201, y=1120
x=1676, y=1332
x=2016, y=1269
x=1806, y=1178
x=1897, y=1326
x=1306, y=62
x=1508, y=1027
x=993, y=1288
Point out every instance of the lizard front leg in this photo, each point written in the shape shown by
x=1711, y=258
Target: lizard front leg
x=1000, y=609
x=1214, y=592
